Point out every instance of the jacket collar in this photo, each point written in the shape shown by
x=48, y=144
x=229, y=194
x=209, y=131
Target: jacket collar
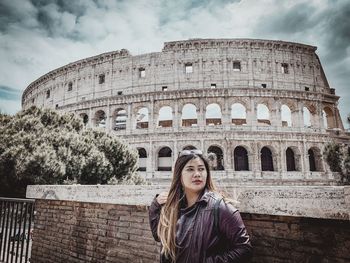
x=205, y=196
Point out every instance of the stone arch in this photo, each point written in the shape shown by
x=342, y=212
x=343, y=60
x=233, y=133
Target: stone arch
x=84, y=117
x=290, y=160
x=267, y=159
x=189, y=147
x=142, y=159
x=100, y=119
x=315, y=159
x=213, y=115
x=189, y=115
x=120, y=116
x=309, y=115
x=328, y=118
x=286, y=116
x=263, y=114
x=241, y=160
x=245, y=103
x=165, y=117
x=216, y=157
x=142, y=118
x=238, y=114
x=165, y=159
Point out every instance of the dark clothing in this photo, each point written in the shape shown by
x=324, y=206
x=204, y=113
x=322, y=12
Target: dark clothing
x=196, y=236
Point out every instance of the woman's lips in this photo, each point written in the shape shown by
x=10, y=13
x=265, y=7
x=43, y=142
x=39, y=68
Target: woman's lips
x=197, y=182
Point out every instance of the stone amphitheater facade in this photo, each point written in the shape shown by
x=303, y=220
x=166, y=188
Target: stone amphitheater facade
x=262, y=110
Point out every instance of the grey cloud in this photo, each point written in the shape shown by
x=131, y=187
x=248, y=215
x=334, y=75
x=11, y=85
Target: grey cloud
x=288, y=21
x=182, y=9
x=8, y=93
x=336, y=30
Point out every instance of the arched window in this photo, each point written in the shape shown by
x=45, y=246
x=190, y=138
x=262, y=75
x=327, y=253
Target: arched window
x=164, y=159
x=290, y=159
x=189, y=147
x=142, y=118
x=241, y=159
x=307, y=117
x=100, y=119
x=165, y=118
x=286, y=116
x=238, y=114
x=85, y=118
x=142, y=159
x=263, y=114
x=315, y=159
x=120, y=119
x=328, y=118
x=312, y=162
x=266, y=159
x=189, y=115
x=213, y=115
x=216, y=158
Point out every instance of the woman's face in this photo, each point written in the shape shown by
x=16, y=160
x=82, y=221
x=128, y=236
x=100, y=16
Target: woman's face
x=194, y=176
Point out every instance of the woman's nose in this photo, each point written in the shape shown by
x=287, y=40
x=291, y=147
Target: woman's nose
x=197, y=173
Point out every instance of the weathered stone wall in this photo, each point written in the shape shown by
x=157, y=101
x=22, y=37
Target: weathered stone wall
x=110, y=223
x=68, y=231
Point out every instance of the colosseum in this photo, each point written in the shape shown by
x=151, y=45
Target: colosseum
x=262, y=110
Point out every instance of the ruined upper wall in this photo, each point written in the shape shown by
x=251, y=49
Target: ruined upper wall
x=262, y=63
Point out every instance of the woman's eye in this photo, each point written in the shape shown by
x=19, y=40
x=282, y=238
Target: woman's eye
x=201, y=169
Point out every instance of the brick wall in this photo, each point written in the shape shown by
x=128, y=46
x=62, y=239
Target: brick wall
x=68, y=231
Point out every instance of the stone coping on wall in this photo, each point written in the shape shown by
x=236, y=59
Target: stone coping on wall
x=328, y=202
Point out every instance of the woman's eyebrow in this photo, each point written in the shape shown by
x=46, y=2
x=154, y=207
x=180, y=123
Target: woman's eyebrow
x=201, y=165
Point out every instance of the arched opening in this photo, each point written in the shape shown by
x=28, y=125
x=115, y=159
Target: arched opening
x=241, y=159
x=142, y=118
x=142, y=159
x=189, y=147
x=120, y=119
x=165, y=118
x=263, y=114
x=238, y=114
x=315, y=160
x=286, y=116
x=100, y=119
x=307, y=117
x=266, y=159
x=216, y=158
x=189, y=115
x=213, y=115
x=328, y=118
x=164, y=159
x=290, y=159
x=85, y=118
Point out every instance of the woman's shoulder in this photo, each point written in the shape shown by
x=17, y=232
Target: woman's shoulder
x=224, y=204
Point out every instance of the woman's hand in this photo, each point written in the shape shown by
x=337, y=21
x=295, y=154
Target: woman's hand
x=162, y=197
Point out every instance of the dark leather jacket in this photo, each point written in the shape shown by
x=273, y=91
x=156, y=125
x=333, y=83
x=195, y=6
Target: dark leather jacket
x=196, y=237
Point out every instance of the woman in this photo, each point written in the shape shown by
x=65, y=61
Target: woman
x=191, y=222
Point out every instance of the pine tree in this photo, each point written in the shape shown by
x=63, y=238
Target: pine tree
x=41, y=146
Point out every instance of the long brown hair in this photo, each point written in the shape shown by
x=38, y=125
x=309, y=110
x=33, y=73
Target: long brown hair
x=170, y=211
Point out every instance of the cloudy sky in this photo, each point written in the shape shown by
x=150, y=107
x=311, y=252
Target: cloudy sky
x=37, y=36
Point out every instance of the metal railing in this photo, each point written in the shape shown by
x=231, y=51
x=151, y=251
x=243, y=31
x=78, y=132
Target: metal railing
x=16, y=221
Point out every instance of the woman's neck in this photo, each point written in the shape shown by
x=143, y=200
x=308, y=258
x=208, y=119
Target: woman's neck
x=191, y=198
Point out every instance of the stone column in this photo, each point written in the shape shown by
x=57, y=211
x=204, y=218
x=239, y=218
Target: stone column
x=176, y=118
x=151, y=116
x=91, y=119
x=109, y=118
x=129, y=121
x=201, y=115
x=251, y=115
x=226, y=116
